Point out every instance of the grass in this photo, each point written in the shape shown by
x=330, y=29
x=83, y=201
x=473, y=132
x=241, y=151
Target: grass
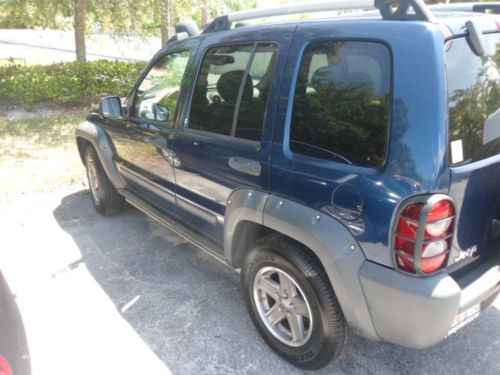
x=38, y=154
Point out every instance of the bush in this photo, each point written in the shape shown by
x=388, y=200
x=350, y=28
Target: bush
x=67, y=82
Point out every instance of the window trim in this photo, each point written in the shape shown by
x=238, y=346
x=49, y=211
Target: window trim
x=291, y=99
x=162, y=124
x=184, y=126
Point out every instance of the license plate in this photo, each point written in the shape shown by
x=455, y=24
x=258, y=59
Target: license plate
x=464, y=318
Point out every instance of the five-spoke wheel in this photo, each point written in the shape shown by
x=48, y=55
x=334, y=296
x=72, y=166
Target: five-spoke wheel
x=282, y=306
x=292, y=302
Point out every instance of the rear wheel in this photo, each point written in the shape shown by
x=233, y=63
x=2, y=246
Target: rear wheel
x=106, y=199
x=292, y=303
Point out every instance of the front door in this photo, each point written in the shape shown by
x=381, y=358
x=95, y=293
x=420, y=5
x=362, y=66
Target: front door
x=224, y=143
x=144, y=140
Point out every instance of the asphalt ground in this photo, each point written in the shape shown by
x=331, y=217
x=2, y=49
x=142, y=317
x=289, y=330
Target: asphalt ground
x=124, y=295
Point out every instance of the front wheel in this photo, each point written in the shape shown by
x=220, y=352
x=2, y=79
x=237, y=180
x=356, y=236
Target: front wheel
x=292, y=303
x=106, y=199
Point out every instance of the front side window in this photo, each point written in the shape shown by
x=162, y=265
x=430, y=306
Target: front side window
x=231, y=90
x=157, y=95
x=341, y=103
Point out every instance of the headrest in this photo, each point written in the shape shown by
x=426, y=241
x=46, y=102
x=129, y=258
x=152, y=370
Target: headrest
x=229, y=83
x=360, y=77
x=328, y=75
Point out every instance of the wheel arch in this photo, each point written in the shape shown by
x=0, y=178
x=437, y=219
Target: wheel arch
x=252, y=214
x=88, y=133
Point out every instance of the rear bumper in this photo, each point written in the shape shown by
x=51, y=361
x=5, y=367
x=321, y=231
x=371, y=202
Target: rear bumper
x=419, y=312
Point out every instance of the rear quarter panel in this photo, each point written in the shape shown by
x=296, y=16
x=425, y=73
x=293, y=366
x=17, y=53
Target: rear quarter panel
x=417, y=146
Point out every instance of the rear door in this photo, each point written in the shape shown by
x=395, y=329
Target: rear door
x=474, y=135
x=224, y=141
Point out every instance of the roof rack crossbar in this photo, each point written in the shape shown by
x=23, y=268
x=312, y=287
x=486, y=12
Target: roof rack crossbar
x=389, y=9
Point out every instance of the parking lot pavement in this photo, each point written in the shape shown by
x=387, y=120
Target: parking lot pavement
x=124, y=295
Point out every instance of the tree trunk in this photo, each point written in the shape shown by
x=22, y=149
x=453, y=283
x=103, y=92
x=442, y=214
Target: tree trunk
x=79, y=25
x=166, y=18
x=204, y=14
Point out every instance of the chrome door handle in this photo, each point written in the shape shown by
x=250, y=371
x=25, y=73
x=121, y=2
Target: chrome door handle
x=246, y=166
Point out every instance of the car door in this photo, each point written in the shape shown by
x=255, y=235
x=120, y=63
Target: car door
x=224, y=141
x=143, y=137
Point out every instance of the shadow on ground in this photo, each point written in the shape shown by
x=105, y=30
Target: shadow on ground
x=13, y=345
x=188, y=307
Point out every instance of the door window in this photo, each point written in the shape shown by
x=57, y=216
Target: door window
x=341, y=103
x=222, y=103
x=157, y=96
x=251, y=114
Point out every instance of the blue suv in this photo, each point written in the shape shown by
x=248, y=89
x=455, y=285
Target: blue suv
x=348, y=166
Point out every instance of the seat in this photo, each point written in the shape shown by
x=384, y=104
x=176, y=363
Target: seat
x=220, y=114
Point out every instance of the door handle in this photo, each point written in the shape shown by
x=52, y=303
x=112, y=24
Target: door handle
x=244, y=165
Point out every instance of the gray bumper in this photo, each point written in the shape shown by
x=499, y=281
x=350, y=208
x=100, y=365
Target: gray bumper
x=419, y=312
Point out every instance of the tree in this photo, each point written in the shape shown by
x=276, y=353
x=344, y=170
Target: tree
x=80, y=10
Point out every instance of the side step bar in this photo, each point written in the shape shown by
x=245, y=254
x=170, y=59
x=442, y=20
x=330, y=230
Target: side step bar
x=173, y=225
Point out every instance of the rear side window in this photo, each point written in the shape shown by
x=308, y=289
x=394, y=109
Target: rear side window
x=232, y=89
x=341, y=103
x=473, y=100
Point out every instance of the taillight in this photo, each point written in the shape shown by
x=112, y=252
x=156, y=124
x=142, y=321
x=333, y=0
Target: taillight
x=423, y=235
x=5, y=369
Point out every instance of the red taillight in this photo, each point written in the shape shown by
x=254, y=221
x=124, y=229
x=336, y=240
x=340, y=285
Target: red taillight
x=425, y=250
x=4, y=367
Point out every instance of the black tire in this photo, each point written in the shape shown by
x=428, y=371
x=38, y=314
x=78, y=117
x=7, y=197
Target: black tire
x=107, y=201
x=330, y=335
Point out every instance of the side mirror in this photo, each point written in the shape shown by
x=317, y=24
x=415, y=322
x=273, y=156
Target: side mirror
x=110, y=107
x=161, y=112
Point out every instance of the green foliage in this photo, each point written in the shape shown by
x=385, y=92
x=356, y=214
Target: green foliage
x=67, y=82
x=26, y=14
x=119, y=16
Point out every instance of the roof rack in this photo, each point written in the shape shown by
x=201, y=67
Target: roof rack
x=389, y=9
x=493, y=8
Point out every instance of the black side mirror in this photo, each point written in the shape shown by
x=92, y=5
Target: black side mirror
x=110, y=107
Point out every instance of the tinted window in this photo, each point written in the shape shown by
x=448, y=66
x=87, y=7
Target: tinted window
x=217, y=88
x=156, y=98
x=473, y=99
x=252, y=108
x=341, y=103
x=221, y=103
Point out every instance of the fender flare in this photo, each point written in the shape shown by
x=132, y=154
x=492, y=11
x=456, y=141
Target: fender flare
x=97, y=137
x=328, y=239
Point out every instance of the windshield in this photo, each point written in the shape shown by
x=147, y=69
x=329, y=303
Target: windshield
x=473, y=99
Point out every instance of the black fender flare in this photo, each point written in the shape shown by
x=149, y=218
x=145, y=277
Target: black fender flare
x=98, y=138
x=331, y=242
